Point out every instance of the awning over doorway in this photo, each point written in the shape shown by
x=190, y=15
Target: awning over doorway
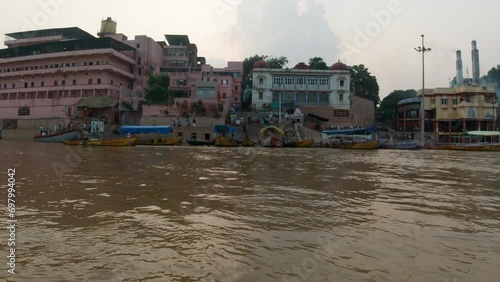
x=97, y=102
x=317, y=117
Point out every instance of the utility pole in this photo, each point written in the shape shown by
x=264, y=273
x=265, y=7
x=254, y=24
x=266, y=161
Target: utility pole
x=422, y=49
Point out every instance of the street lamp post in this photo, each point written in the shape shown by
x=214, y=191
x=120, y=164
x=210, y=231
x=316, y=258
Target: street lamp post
x=422, y=49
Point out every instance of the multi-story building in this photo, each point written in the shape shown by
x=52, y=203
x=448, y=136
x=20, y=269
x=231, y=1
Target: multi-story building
x=323, y=94
x=301, y=86
x=450, y=111
x=44, y=72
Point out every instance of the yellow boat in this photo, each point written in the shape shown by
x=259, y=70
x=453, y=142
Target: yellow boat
x=225, y=142
x=368, y=145
x=160, y=141
x=151, y=129
x=225, y=135
x=104, y=142
x=248, y=143
x=300, y=144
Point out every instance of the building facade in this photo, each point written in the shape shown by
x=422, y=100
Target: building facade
x=300, y=86
x=324, y=96
x=451, y=111
x=44, y=72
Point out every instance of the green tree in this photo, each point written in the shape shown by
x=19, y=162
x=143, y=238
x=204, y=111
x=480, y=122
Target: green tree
x=493, y=75
x=248, y=66
x=158, y=91
x=278, y=62
x=317, y=63
x=387, y=109
x=363, y=84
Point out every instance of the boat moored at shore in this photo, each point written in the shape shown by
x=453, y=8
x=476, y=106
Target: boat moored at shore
x=58, y=137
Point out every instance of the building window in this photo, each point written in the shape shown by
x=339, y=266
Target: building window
x=454, y=101
x=56, y=82
x=139, y=60
x=98, y=81
x=261, y=95
x=261, y=81
x=223, y=95
x=63, y=82
x=236, y=88
x=25, y=85
x=341, y=97
x=277, y=80
x=138, y=45
x=290, y=81
x=341, y=83
x=112, y=82
x=13, y=85
x=139, y=71
x=324, y=81
x=32, y=84
x=444, y=101
x=42, y=83
x=74, y=81
x=224, y=82
x=90, y=81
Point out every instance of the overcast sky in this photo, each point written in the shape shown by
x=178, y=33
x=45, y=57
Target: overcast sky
x=380, y=34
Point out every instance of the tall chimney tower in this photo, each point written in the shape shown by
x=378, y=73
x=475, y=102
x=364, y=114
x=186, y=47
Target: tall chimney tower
x=460, y=72
x=475, y=62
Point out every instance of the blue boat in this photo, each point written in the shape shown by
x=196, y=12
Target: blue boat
x=145, y=129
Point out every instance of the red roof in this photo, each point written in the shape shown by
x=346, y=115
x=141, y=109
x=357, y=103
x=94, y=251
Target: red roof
x=339, y=66
x=261, y=65
x=301, y=66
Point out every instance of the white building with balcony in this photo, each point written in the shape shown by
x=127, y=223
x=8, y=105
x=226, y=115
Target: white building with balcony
x=301, y=87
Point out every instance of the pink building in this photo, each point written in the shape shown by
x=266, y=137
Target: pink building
x=44, y=72
x=61, y=72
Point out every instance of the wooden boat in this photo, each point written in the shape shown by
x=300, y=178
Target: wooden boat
x=486, y=141
x=104, y=142
x=300, y=143
x=225, y=135
x=225, y=142
x=354, y=138
x=401, y=145
x=470, y=147
x=366, y=145
x=154, y=129
x=194, y=142
x=160, y=141
x=248, y=143
x=271, y=136
x=58, y=137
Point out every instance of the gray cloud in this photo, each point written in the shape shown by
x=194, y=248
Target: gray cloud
x=277, y=28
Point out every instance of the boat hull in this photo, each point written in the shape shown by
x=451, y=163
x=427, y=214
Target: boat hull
x=300, y=144
x=200, y=142
x=271, y=142
x=118, y=142
x=225, y=142
x=369, y=145
x=248, y=143
x=160, y=141
x=401, y=146
x=471, y=147
x=58, y=138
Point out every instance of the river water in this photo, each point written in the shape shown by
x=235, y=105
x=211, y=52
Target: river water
x=251, y=214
